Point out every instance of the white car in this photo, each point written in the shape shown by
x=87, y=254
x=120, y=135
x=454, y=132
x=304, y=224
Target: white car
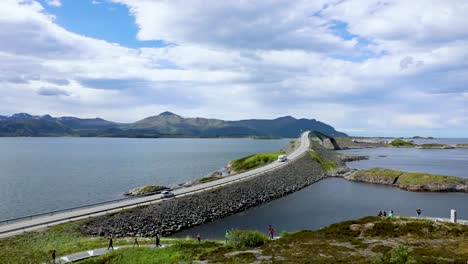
x=167, y=194
x=282, y=158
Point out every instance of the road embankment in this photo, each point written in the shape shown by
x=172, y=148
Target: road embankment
x=184, y=212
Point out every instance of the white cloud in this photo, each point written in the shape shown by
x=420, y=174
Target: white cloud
x=55, y=3
x=404, y=68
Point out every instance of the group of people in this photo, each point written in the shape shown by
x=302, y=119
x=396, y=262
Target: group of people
x=390, y=213
x=135, y=242
x=384, y=213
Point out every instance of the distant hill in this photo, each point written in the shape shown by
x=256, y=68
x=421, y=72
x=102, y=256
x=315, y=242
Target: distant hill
x=166, y=124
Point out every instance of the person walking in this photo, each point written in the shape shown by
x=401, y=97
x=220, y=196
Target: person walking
x=199, y=238
x=384, y=213
x=158, y=240
x=53, y=253
x=418, y=212
x=135, y=242
x=380, y=214
x=111, y=246
x=390, y=214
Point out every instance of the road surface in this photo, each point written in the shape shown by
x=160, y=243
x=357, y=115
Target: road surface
x=34, y=223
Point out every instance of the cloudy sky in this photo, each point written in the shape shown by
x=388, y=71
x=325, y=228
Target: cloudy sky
x=366, y=67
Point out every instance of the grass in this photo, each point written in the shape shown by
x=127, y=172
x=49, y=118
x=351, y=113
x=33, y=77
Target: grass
x=35, y=247
x=365, y=240
x=462, y=145
x=246, y=238
x=151, y=189
x=209, y=178
x=181, y=252
x=327, y=165
x=254, y=161
x=401, y=143
x=374, y=239
x=426, y=178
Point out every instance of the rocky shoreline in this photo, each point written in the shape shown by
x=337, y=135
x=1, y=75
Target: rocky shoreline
x=181, y=213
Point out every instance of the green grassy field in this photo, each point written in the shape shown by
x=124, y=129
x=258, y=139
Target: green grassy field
x=327, y=165
x=367, y=240
x=254, y=161
x=35, y=247
x=425, y=178
x=180, y=252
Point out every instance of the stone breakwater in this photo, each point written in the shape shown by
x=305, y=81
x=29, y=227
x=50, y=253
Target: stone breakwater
x=181, y=213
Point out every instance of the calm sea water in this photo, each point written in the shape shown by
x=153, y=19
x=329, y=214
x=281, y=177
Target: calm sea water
x=333, y=200
x=44, y=174
x=453, y=162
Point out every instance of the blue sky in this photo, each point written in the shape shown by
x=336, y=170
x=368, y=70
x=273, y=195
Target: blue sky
x=386, y=68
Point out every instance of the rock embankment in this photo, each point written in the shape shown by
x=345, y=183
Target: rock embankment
x=177, y=214
x=419, y=182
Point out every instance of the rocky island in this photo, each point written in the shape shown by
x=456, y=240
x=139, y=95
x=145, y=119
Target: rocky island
x=411, y=181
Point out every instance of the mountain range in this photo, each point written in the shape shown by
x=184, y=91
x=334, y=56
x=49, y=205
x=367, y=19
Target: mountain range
x=166, y=124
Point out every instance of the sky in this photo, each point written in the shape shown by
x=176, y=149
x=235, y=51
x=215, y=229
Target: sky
x=381, y=68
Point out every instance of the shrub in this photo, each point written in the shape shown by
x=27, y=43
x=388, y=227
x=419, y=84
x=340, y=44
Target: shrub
x=246, y=238
x=254, y=161
x=400, y=255
x=401, y=143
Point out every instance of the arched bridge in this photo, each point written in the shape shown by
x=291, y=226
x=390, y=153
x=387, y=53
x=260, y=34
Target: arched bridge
x=324, y=137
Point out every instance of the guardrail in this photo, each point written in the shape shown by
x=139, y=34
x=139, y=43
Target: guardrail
x=71, y=209
x=156, y=199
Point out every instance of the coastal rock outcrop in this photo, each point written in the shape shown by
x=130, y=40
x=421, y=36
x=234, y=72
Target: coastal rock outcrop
x=410, y=181
x=146, y=190
x=181, y=213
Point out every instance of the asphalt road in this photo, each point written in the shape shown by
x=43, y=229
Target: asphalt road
x=7, y=230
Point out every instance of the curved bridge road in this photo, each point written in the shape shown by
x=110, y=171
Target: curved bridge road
x=38, y=222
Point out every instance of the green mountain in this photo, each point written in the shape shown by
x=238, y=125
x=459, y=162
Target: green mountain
x=165, y=124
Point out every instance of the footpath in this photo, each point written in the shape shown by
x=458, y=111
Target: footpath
x=94, y=253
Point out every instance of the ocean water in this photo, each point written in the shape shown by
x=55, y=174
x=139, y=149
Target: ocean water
x=44, y=174
x=334, y=200
x=452, y=162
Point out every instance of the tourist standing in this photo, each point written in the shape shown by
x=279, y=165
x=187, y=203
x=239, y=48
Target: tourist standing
x=111, y=246
x=384, y=213
x=380, y=214
x=53, y=253
x=135, y=242
x=226, y=237
x=390, y=214
x=418, y=212
x=158, y=240
x=199, y=238
x=271, y=231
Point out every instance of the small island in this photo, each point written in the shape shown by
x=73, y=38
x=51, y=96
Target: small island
x=411, y=181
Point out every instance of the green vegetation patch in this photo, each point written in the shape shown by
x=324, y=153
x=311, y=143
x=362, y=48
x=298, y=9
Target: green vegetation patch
x=381, y=172
x=210, y=178
x=181, y=252
x=246, y=238
x=327, y=165
x=254, y=161
x=35, y=247
x=426, y=178
x=401, y=143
